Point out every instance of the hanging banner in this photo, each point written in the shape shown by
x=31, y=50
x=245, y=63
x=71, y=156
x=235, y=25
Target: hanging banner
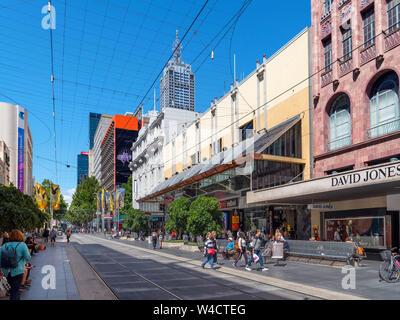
x=109, y=201
x=120, y=197
x=55, y=196
x=41, y=197
x=21, y=147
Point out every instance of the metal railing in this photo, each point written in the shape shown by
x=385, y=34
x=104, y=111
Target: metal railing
x=383, y=128
x=339, y=143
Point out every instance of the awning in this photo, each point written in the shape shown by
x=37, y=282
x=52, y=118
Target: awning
x=225, y=160
x=372, y=181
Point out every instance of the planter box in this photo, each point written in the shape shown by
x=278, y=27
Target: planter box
x=189, y=247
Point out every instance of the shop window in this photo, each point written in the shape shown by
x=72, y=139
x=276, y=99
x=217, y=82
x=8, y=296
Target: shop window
x=368, y=232
x=393, y=15
x=385, y=160
x=384, y=105
x=340, y=123
x=340, y=170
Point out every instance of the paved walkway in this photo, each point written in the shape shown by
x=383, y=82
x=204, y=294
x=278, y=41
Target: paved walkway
x=318, y=276
x=74, y=278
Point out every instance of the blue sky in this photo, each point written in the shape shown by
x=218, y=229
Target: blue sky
x=107, y=53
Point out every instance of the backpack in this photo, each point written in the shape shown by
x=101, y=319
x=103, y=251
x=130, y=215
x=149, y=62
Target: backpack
x=9, y=257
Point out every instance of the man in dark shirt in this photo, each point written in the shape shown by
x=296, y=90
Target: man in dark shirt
x=32, y=245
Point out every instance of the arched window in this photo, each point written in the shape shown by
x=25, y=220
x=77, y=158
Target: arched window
x=384, y=105
x=340, y=123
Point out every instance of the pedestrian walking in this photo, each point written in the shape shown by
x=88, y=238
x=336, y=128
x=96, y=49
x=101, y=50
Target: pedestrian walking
x=46, y=235
x=53, y=236
x=209, y=251
x=257, y=250
x=14, y=254
x=214, y=239
x=6, y=238
x=154, y=239
x=68, y=235
x=161, y=238
x=242, y=251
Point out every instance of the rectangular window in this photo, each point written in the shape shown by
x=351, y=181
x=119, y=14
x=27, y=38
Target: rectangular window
x=327, y=54
x=393, y=14
x=369, y=27
x=327, y=6
x=347, y=44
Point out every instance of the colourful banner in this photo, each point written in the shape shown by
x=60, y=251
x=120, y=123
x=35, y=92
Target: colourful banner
x=120, y=197
x=41, y=197
x=21, y=147
x=55, y=196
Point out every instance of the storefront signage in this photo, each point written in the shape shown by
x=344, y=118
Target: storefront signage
x=231, y=203
x=320, y=206
x=367, y=176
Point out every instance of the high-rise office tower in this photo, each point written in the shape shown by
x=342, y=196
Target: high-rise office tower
x=83, y=166
x=177, y=85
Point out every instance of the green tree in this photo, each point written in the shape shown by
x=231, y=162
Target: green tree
x=205, y=216
x=135, y=220
x=128, y=193
x=19, y=211
x=178, y=212
x=84, y=202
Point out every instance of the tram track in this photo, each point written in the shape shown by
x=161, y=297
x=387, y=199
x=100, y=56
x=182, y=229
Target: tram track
x=200, y=275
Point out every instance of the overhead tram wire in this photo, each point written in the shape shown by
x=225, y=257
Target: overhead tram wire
x=267, y=102
x=238, y=13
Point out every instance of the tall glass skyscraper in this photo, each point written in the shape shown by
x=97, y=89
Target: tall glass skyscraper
x=177, y=85
x=94, y=119
x=83, y=166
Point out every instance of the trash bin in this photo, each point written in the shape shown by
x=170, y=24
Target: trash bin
x=185, y=239
x=277, y=250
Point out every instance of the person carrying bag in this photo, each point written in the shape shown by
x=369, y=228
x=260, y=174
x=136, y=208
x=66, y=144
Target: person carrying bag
x=13, y=256
x=209, y=252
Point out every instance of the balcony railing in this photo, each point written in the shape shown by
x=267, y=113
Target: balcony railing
x=392, y=40
x=383, y=128
x=339, y=143
x=326, y=78
x=367, y=54
x=345, y=66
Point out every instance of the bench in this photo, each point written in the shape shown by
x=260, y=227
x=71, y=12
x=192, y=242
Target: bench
x=323, y=250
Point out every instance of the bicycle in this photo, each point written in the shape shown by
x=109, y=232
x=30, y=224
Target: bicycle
x=389, y=270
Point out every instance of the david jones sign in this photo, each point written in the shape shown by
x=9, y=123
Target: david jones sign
x=367, y=176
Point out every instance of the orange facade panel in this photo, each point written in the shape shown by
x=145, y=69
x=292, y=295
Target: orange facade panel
x=126, y=122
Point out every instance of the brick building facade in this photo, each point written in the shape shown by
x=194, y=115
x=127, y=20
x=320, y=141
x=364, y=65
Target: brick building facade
x=356, y=62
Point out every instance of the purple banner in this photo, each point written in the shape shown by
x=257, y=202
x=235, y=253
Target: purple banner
x=21, y=159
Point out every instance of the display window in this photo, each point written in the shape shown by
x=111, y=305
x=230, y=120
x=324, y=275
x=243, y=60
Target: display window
x=367, y=232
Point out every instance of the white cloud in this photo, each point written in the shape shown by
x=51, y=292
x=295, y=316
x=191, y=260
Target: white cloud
x=68, y=196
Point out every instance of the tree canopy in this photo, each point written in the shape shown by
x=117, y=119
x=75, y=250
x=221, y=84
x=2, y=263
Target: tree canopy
x=178, y=212
x=128, y=192
x=84, y=202
x=135, y=220
x=205, y=216
x=19, y=211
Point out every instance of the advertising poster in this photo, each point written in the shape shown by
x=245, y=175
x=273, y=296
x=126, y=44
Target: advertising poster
x=123, y=154
x=120, y=197
x=21, y=147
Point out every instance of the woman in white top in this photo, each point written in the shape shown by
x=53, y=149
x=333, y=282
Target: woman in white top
x=242, y=251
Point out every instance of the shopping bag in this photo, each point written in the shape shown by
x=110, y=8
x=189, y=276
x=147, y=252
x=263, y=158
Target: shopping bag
x=4, y=285
x=277, y=250
x=255, y=258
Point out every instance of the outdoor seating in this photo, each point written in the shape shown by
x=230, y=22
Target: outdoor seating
x=323, y=250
